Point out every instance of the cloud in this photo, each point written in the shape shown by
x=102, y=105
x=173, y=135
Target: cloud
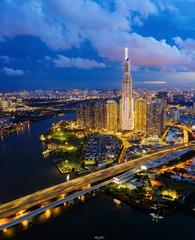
x=187, y=47
x=144, y=7
x=65, y=62
x=29, y=18
x=143, y=50
x=155, y=82
x=47, y=58
x=188, y=44
x=5, y=59
x=13, y=72
x=66, y=24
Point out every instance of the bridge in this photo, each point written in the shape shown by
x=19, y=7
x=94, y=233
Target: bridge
x=24, y=208
x=188, y=134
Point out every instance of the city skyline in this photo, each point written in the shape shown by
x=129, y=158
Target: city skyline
x=97, y=119
x=78, y=52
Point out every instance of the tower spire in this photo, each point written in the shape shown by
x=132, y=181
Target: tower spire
x=126, y=53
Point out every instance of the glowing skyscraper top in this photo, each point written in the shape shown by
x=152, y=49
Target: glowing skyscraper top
x=126, y=53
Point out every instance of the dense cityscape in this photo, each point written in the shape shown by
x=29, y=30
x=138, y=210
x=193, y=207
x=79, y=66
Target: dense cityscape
x=135, y=145
x=97, y=119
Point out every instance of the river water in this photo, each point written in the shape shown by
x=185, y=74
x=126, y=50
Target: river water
x=24, y=170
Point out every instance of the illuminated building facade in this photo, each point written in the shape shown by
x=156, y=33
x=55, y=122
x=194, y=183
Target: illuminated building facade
x=141, y=116
x=126, y=101
x=5, y=104
x=85, y=115
x=176, y=116
x=92, y=115
x=112, y=115
x=99, y=115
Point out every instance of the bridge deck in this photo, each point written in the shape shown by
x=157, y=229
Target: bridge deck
x=38, y=198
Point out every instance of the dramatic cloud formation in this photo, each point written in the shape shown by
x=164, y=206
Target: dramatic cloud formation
x=65, y=62
x=87, y=34
x=13, y=72
x=69, y=23
x=188, y=48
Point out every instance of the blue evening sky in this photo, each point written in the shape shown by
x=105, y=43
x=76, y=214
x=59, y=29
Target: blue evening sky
x=80, y=43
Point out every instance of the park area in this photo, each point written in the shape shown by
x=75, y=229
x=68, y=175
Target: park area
x=64, y=148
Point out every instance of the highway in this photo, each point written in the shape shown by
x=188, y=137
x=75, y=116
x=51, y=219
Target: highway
x=42, y=197
x=40, y=210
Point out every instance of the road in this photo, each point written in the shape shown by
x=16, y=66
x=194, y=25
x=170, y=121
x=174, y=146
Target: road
x=29, y=215
x=126, y=144
x=39, y=198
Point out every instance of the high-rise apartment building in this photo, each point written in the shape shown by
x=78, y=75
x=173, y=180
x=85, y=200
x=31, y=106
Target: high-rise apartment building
x=92, y=115
x=156, y=117
x=85, y=115
x=99, y=115
x=141, y=116
x=112, y=115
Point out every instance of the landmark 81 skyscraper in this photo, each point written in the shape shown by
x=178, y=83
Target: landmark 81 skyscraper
x=126, y=101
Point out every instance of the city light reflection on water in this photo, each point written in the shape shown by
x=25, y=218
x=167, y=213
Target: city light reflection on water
x=42, y=218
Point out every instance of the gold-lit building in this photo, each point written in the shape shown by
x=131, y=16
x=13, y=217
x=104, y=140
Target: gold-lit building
x=150, y=116
x=112, y=115
x=99, y=115
x=85, y=115
x=141, y=115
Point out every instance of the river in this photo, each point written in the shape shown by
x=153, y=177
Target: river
x=24, y=170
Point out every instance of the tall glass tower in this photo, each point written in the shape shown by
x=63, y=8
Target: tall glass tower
x=126, y=101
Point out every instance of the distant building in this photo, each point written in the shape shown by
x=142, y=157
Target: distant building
x=176, y=116
x=5, y=104
x=178, y=98
x=193, y=106
x=162, y=95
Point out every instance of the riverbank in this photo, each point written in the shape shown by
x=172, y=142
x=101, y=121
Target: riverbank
x=22, y=164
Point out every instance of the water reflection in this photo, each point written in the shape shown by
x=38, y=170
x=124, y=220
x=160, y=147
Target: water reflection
x=21, y=159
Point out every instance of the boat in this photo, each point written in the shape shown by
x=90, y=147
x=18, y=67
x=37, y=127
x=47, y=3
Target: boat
x=156, y=217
